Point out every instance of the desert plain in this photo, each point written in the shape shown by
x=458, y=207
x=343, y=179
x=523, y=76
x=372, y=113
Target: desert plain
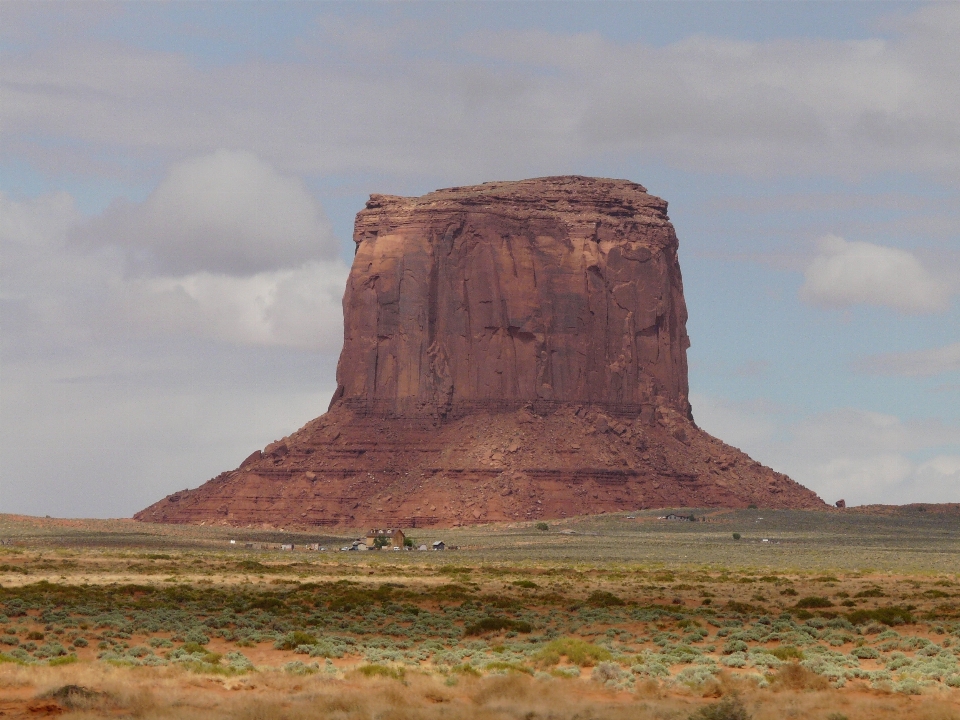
x=820, y=615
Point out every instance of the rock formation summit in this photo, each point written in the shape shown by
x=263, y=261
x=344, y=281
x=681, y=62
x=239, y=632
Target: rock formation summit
x=512, y=351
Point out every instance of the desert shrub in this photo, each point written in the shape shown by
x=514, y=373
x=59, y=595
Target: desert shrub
x=298, y=668
x=542, y=526
x=608, y=672
x=252, y=566
x=813, y=601
x=196, y=636
x=292, y=640
x=48, y=650
x=602, y=598
x=732, y=646
x=577, y=651
x=787, y=652
x=794, y=676
x=76, y=697
x=696, y=677
x=908, y=686
x=382, y=671
x=465, y=669
x=529, y=584
x=63, y=660
x=239, y=662
x=501, y=665
x=736, y=536
x=865, y=653
x=730, y=707
x=873, y=592
x=892, y=615
x=17, y=655
x=268, y=604
x=737, y=659
x=494, y=624
x=742, y=608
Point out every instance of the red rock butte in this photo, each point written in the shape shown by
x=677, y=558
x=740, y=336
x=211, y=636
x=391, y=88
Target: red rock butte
x=512, y=351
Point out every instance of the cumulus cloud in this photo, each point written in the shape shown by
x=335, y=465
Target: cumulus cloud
x=59, y=291
x=863, y=457
x=299, y=307
x=224, y=212
x=918, y=363
x=846, y=273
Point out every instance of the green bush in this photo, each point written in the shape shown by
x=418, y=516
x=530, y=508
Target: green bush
x=494, y=624
x=736, y=536
x=813, y=601
x=542, y=526
x=602, y=598
x=894, y=615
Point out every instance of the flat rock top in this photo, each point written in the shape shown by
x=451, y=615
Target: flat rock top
x=563, y=193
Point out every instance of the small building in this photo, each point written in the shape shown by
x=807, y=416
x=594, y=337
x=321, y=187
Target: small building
x=422, y=547
x=287, y=546
x=439, y=545
x=385, y=538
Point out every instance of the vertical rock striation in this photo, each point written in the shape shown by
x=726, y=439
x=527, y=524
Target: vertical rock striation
x=564, y=289
x=508, y=348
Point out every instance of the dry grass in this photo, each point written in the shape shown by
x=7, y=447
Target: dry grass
x=162, y=693
x=604, y=616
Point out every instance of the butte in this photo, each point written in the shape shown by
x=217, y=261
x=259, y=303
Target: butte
x=512, y=351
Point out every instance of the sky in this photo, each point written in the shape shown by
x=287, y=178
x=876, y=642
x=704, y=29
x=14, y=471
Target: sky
x=178, y=184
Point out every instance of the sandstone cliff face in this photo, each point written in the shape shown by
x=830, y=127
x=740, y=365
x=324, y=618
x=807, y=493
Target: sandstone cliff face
x=512, y=351
x=559, y=289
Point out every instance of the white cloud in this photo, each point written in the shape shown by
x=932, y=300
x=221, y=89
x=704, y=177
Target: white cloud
x=918, y=363
x=64, y=293
x=119, y=389
x=942, y=470
x=294, y=308
x=224, y=212
x=860, y=456
x=37, y=221
x=504, y=103
x=860, y=273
